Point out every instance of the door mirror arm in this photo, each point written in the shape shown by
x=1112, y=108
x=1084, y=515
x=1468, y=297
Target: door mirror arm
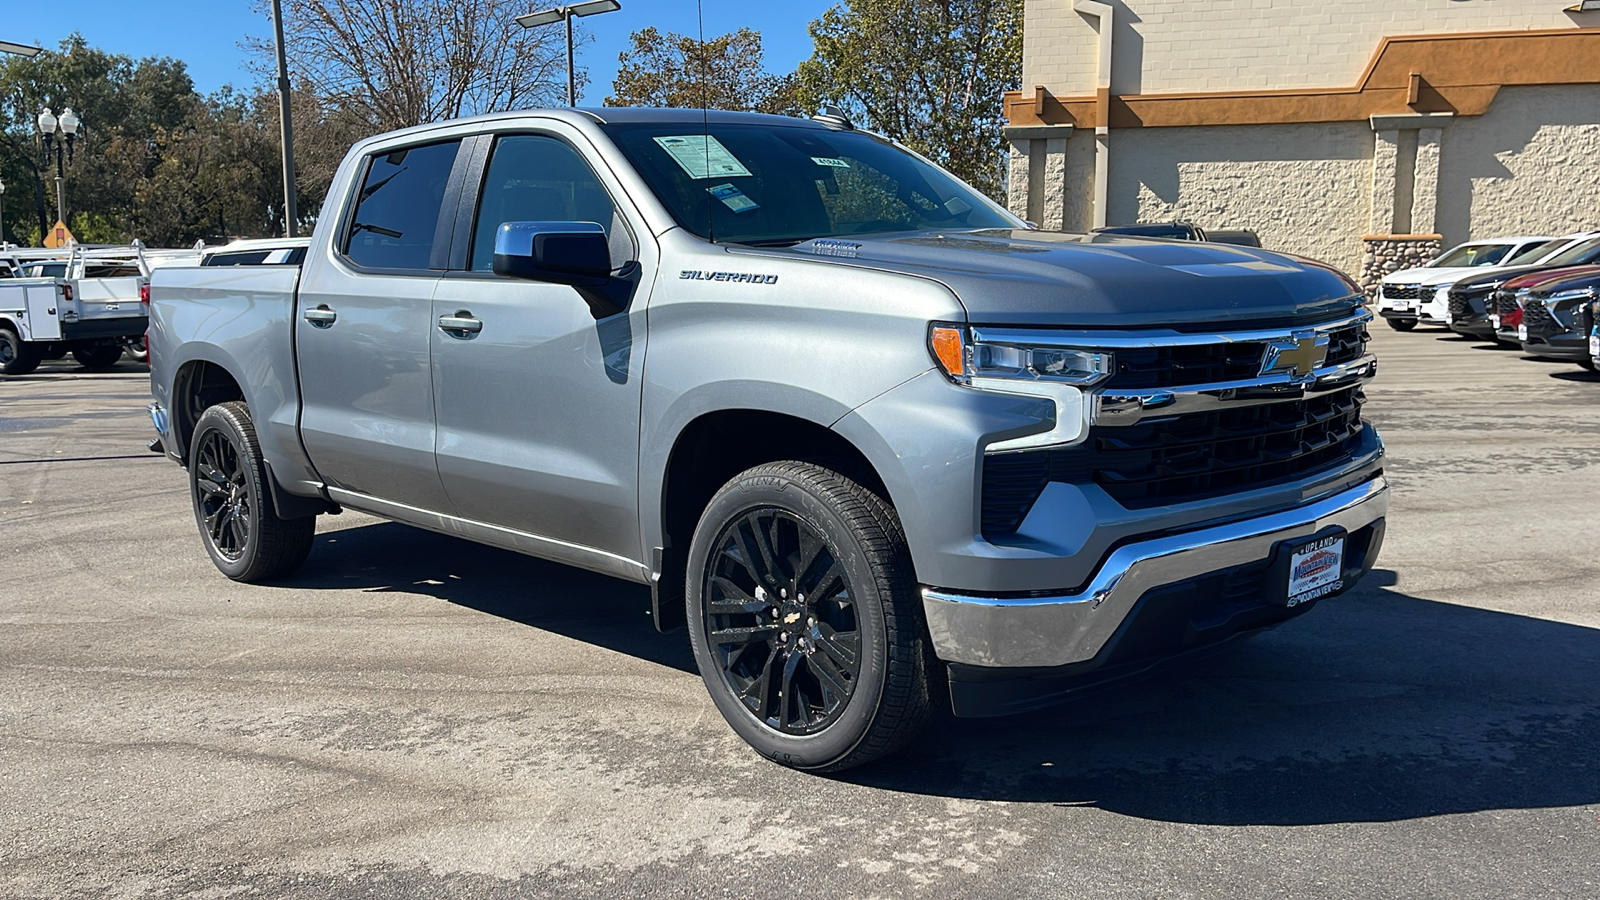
x=608, y=299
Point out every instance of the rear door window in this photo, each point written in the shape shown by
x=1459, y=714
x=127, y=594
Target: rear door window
x=397, y=211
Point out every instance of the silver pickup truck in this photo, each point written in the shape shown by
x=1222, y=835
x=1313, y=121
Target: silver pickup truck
x=876, y=442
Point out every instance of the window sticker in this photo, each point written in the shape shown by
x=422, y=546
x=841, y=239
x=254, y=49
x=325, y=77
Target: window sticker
x=733, y=198
x=830, y=161
x=702, y=156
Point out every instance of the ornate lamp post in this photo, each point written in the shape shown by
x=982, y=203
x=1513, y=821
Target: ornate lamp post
x=59, y=136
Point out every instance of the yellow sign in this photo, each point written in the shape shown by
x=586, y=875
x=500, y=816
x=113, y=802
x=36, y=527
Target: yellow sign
x=59, y=237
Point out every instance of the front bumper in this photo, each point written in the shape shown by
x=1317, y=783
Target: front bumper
x=1565, y=346
x=1072, y=628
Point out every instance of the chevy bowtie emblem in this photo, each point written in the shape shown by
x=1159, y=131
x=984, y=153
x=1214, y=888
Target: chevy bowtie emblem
x=1298, y=355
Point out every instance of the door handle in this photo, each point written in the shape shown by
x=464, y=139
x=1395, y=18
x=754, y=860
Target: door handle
x=321, y=317
x=461, y=324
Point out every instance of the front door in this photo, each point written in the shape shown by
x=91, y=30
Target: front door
x=538, y=410
x=364, y=331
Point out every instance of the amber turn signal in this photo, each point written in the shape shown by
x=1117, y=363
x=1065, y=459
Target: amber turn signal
x=949, y=350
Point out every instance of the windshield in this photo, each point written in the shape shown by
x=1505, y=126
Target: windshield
x=775, y=184
x=45, y=270
x=1581, y=253
x=1468, y=255
x=1532, y=253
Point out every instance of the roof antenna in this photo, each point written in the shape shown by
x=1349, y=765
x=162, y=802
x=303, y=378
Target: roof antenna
x=705, y=114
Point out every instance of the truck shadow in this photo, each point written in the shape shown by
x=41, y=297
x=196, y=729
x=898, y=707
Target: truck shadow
x=1379, y=706
x=584, y=606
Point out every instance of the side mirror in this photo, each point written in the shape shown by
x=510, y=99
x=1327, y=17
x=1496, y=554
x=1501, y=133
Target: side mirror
x=574, y=253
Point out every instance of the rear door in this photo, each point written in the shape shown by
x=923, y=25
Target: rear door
x=539, y=408
x=364, y=328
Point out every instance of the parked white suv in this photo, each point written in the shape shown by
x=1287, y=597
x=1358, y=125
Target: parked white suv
x=1412, y=296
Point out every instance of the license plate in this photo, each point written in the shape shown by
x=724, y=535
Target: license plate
x=1594, y=346
x=1495, y=321
x=1522, y=332
x=1316, y=569
x=1400, y=304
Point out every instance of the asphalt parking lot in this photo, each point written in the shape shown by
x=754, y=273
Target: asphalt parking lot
x=415, y=716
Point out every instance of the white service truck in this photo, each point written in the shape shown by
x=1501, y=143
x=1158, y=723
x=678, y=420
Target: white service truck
x=90, y=302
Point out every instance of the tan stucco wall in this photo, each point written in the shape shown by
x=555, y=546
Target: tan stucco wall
x=1188, y=45
x=1303, y=188
x=1530, y=165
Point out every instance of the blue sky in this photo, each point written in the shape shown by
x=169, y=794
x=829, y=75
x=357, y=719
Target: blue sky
x=206, y=35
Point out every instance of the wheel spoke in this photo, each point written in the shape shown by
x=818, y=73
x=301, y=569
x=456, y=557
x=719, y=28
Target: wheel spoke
x=764, y=547
x=786, y=692
x=214, y=522
x=734, y=599
x=835, y=681
x=724, y=637
x=811, y=550
x=841, y=648
x=757, y=695
x=237, y=526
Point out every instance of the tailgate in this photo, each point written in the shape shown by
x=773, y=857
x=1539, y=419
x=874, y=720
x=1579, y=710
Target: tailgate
x=107, y=298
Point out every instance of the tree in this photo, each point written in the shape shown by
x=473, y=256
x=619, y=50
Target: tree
x=398, y=63
x=725, y=72
x=929, y=73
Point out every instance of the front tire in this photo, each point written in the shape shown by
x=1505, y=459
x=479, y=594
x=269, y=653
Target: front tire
x=1402, y=324
x=98, y=357
x=228, y=487
x=17, y=357
x=805, y=619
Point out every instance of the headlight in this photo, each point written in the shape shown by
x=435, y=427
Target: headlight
x=1059, y=374
x=963, y=360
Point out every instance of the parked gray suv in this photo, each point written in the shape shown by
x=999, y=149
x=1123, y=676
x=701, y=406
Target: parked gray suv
x=863, y=431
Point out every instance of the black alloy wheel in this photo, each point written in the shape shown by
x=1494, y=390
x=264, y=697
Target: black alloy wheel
x=224, y=501
x=782, y=623
x=232, y=500
x=806, y=619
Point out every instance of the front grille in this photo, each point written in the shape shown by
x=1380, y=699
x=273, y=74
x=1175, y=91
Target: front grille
x=1505, y=303
x=1403, y=291
x=1462, y=309
x=1538, y=318
x=1181, y=458
x=1145, y=368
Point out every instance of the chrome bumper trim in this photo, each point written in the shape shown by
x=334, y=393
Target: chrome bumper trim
x=1070, y=628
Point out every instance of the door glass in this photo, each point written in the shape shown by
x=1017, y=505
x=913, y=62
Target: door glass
x=540, y=179
x=397, y=210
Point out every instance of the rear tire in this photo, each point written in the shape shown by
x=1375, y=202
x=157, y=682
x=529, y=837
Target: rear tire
x=232, y=502
x=1402, y=324
x=17, y=357
x=826, y=683
x=98, y=357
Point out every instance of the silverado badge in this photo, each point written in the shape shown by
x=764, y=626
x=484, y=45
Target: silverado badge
x=1298, y=355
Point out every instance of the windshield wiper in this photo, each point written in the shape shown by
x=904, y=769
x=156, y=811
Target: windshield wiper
x=778, y=242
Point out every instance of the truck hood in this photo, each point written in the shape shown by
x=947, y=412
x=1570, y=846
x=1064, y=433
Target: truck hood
x=1025, y=277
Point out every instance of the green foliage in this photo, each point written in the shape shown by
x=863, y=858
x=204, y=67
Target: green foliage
x=726, y=72
x=928, y=73
x=154, y=160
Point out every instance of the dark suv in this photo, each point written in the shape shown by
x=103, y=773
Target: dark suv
x=1555, y=309
x=1472, y=312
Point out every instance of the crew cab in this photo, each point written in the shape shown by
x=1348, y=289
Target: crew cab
x=859, y=428
x=1416, y=296
x=83, y=301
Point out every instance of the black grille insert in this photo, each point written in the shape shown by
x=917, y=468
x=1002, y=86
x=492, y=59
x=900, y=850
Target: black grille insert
x=1403, y=291
x=1181, y=458
x=1145, y=368
x=1537, y=317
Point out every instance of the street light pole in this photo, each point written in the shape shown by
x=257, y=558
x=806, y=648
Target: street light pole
x=67, y=123
x=567, y=14
x=2, y=212
x=286, y=126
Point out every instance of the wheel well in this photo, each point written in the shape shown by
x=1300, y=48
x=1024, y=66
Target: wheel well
x=710, y=452
x=199, y=386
